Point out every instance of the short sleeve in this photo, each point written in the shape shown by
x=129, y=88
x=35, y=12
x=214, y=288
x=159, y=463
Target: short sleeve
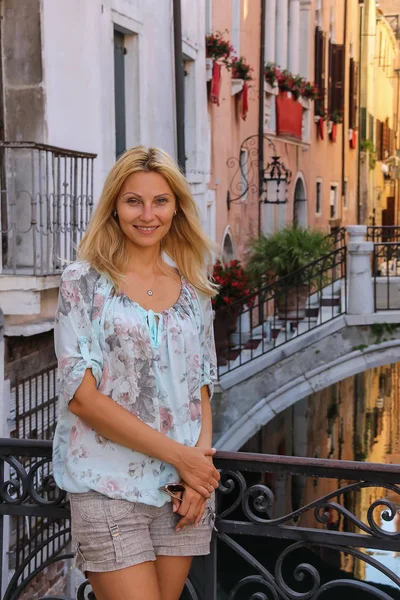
x=209, y=359
x=77, y=347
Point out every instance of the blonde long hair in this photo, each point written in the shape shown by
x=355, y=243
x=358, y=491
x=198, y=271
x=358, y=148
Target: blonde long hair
x=104, y=244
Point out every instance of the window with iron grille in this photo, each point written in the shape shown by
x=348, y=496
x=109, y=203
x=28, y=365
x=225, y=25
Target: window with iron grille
x=336, y=77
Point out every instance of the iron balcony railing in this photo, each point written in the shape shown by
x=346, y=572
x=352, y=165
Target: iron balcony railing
x=286, y=527
x=383, y=234
x=386, y=267
x=280, y=311
x=46, y=202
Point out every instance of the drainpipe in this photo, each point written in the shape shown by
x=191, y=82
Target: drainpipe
x=179, y=85
x=344, y=136
x=361, y=14
x=261, y=114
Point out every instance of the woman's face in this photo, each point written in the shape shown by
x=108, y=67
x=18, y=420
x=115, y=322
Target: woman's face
x=145, y=208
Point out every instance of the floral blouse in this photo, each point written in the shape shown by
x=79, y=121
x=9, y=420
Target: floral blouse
x=152, y=364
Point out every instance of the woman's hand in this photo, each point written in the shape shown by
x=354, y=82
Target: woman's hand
x=191, y=508
x=196, y=468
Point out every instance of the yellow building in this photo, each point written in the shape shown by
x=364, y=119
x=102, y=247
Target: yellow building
x=378, y=119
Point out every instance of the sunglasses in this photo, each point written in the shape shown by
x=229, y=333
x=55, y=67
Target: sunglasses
x=172, y=490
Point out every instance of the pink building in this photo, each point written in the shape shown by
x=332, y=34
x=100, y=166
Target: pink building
x=317, y=41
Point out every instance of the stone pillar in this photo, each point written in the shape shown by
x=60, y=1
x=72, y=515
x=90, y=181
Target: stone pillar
x=281, y=46
x=360, y=299
x=270, y=30
x=294, y=37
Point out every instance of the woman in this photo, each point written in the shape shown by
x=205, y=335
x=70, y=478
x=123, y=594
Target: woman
x=134, y=341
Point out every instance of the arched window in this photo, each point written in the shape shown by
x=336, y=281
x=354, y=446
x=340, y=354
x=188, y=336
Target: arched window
x=300, y=204
x=228, y=252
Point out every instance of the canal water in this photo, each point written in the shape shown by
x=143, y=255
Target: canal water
x=355, y=419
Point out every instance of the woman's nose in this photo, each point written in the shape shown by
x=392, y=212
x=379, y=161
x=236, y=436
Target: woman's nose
x=147, y=213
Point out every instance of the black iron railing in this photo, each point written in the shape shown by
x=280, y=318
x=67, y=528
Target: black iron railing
x=383, y=234
x=46, y=202
x=280, y=311
x=286, y=528
x=338, y=237
x=33, y=416
x=386, y=267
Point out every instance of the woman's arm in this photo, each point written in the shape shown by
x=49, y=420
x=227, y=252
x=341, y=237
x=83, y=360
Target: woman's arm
x=193, y=505
x=205, y=437
x=115, y=423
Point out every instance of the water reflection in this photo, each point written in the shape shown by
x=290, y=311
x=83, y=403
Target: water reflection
x=355, y=419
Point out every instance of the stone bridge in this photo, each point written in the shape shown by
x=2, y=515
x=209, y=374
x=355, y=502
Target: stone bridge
x=365, y=337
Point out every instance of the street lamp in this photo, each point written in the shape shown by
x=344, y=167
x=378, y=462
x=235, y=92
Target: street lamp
x=275, y=174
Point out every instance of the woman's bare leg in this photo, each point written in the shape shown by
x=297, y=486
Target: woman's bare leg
x=172, y=572
x=139, y=582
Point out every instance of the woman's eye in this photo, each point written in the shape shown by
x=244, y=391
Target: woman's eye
x=162, y=200
x=133, y=201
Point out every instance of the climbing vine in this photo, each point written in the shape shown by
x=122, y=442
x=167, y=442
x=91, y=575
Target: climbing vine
x=381, y=331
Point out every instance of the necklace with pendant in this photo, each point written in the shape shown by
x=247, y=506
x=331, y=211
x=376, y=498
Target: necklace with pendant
x=149, y=291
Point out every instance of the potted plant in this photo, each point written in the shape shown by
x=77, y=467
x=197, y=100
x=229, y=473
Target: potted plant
x=271, y=73
x=335, y=118
x=234, y=285
x=217, y=48
x=309, y=92
x=280, y=258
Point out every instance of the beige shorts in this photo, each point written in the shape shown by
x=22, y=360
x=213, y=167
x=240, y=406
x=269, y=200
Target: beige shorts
x=109, y=534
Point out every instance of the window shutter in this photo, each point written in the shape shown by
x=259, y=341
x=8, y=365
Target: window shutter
x=379, y=139
x=330, y=74
x=353, y=94
x=336, y=76
x=319, y=69
x=386, y=139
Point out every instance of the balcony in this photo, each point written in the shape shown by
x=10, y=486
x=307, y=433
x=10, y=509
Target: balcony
x=286, y=528
x=46, y=204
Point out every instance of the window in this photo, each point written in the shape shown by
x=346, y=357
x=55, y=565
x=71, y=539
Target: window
x=319, y=72
x=236, y=25
x=318, y=197
x=208, y=17
x=244, y=167
x=336, y=76
x=353, y=89
x=119, y=93
x=333, y=201
x=345, y=194
x=190, y=114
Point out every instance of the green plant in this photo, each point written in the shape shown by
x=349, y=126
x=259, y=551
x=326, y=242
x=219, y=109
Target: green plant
x=271, y=72
x=283, y=253
x=369, y=147
x=336, y=116
x=217, y=48
x=240, y=68
x=310, y=90
x=381, y=329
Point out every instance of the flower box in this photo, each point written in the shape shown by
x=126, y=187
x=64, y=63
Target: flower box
x=237, y=86
x=271, y=89
x=289, y=116
x=305, y=103
x=332, y=129
x=209, y=68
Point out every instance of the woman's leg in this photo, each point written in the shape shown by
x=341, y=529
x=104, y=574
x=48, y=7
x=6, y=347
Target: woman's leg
x=139, y=582
x=172, y=572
